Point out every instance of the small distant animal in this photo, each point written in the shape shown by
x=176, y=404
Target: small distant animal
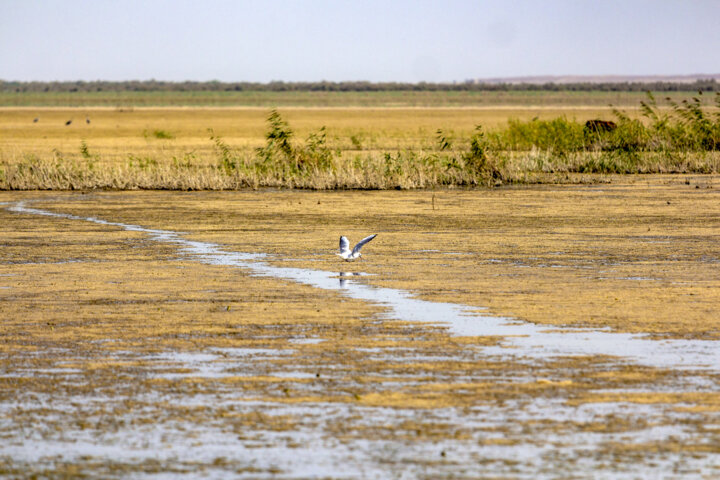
x=87, y=120
x=68, y=123
x=36, y=119
x=600, y=126
x=351, y=255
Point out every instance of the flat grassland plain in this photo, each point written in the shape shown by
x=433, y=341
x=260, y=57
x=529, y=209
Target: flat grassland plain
x=416, y=142
x=215, y=334
x=330, y=99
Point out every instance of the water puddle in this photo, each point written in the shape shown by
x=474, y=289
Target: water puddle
x=521, y=339
x=217, y=363
x=306, y=341
x=312, y=450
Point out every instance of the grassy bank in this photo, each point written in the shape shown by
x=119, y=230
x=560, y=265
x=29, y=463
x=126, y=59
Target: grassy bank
x=351, y=148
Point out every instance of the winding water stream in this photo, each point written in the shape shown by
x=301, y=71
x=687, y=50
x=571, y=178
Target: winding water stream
x=521, y=339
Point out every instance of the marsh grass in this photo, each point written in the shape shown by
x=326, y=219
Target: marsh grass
x=679, y=137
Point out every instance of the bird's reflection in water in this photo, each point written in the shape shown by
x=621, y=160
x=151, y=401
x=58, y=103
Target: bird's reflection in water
x=343, y=277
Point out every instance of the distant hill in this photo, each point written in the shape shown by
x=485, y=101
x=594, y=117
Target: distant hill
x=581, y=79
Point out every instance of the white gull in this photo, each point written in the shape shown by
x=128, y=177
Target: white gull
x=352, y=255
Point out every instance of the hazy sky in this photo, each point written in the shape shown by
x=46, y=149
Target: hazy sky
x=338, y=40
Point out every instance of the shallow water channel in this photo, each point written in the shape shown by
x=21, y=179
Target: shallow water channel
x=524, y=339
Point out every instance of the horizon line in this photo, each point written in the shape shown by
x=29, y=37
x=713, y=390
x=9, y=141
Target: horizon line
x=526, y=79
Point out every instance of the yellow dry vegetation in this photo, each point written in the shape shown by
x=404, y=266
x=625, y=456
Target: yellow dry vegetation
x=183, y=148
x=216, y=148
x=692, y=402
x=113, y=134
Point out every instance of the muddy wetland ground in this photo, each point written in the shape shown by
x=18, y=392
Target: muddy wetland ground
x=556, y=331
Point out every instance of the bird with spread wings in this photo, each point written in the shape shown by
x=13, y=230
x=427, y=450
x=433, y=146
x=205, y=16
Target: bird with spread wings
x=352, y=255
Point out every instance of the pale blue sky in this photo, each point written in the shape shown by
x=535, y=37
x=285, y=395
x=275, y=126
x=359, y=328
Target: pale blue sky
x=385, y=40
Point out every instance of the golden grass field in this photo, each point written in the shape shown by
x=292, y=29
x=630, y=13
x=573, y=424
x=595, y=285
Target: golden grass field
x=217, y=149
x=116, y=132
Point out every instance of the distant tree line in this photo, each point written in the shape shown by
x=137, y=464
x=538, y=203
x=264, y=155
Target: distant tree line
x=709, y=85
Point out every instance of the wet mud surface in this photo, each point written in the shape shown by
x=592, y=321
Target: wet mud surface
x=125, y=356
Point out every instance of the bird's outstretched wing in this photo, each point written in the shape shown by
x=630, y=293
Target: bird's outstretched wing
x=363, y=242
x=344, y=244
